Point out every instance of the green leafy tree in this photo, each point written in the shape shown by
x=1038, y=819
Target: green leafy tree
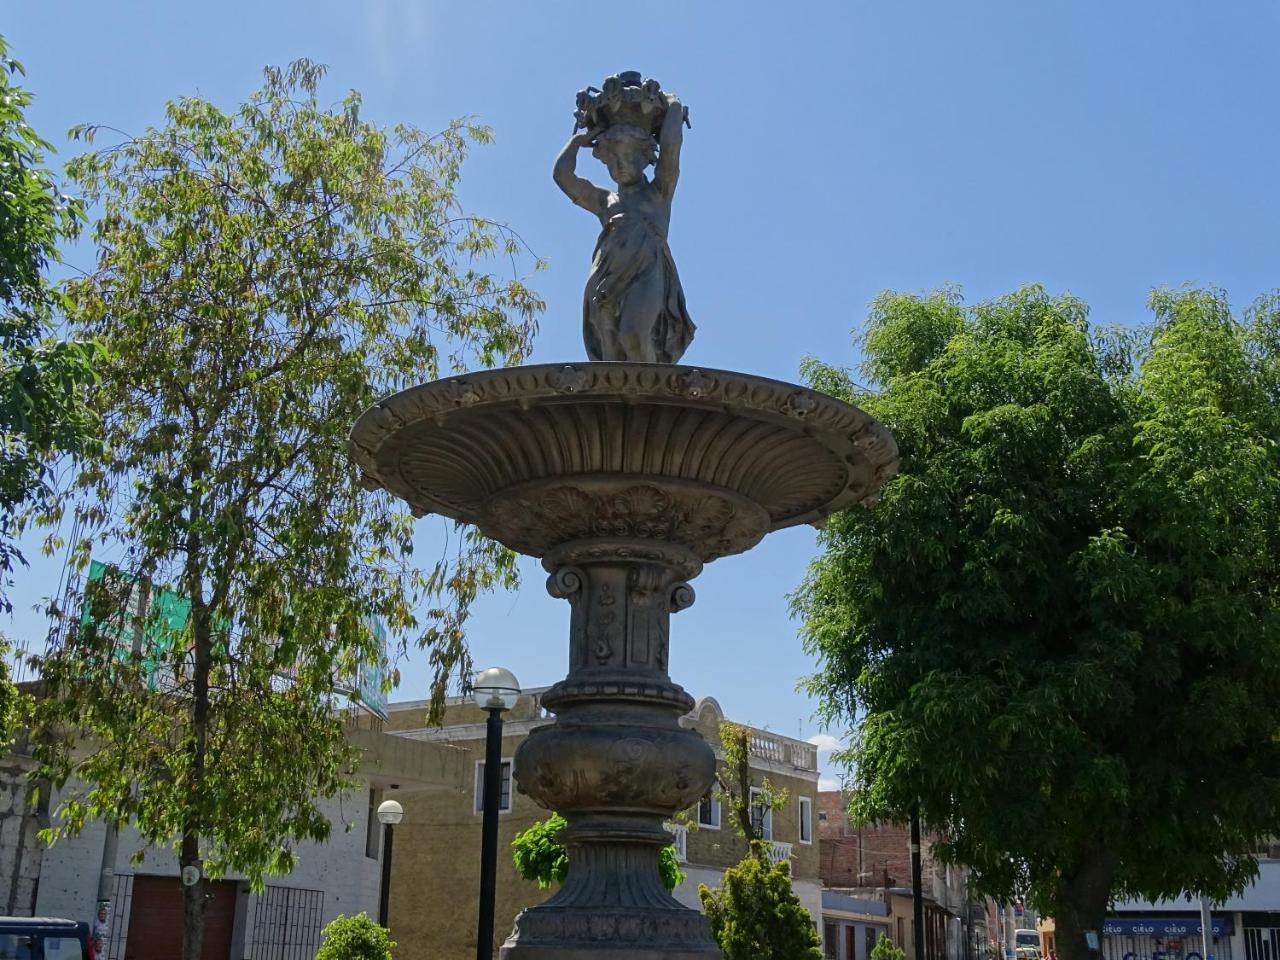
x=43, y=414
x=263, y=276
x=355, y=938
x=540, y=857
x=886, y=949
x=734, y=778
x=43, y=379
x=10, y=698
x=755, y=915
x=1061, y=620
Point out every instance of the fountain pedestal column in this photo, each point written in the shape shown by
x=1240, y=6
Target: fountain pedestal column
x=616, y=763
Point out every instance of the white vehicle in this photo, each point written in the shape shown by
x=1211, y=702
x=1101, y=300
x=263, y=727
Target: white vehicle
x=1026, y=941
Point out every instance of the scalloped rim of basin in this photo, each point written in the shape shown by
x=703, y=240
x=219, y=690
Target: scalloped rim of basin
x=812, y=424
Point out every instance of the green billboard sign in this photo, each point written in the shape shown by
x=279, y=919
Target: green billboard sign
x=137, y=616
x=370, y=676
x=147, y=621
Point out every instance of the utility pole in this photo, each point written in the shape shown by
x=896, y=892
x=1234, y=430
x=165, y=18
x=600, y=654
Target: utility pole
x=861, y=871
x=917, y=892
x=1206, y=928
x=101, y=924
x=968, y=920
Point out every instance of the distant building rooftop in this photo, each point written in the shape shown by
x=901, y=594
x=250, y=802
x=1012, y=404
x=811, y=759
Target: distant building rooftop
x=465, y=722
x=835, y=900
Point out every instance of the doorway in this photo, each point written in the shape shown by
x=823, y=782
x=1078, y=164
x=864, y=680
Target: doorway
x=155, y=919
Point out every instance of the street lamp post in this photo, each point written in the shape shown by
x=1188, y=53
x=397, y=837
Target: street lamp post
x=389, y=814
x=495, y=691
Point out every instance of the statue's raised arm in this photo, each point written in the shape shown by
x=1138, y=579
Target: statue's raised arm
x=578, y=189
x=670, y=139
x=633, y=308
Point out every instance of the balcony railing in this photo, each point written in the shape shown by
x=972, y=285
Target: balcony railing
x=802, y=756
x=779, y=851
x=679, y=840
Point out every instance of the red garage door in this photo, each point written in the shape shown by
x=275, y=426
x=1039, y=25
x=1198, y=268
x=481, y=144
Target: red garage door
x=155, y=920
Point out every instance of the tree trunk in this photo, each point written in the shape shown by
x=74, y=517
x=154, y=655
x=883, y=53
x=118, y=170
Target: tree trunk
x=743, y=775
x=202, y=647
x=1083, y=894
x=192, y=901
x=193, y=894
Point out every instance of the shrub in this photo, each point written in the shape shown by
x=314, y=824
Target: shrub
x=355, y=938
x=756, y=915
x=886, y=949
x=540, y=857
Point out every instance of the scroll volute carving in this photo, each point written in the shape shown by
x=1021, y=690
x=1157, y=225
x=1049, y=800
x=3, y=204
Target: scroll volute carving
x=597, y=595
x=653, y=594
x=621, y=613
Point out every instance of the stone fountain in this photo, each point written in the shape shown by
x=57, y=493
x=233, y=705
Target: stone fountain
x=624, y=476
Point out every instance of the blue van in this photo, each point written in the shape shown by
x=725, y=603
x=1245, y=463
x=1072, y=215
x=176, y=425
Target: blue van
x=44, y=938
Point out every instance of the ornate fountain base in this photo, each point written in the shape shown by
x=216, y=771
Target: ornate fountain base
x=625, y=478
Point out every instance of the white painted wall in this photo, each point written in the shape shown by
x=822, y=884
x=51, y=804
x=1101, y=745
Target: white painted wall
x=687, y=892
x=1263, y=895
x=809, y=892
x=69, y=872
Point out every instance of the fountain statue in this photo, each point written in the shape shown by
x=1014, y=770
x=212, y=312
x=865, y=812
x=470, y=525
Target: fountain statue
x=624, y=474
x=633, y=308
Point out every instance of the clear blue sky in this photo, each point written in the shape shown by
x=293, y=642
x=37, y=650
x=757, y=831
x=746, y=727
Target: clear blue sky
x=837, y=149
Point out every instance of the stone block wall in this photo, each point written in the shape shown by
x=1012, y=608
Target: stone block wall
x=21, y=852
x=435, y=868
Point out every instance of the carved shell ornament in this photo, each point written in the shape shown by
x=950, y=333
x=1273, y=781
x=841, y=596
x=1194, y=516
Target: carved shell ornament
x=693, y=384
x=569, y=379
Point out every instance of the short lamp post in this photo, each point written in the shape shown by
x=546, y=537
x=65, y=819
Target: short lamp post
x=389, y=814
x=496, y=691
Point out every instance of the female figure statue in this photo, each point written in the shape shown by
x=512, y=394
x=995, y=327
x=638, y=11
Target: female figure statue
x=633, y=308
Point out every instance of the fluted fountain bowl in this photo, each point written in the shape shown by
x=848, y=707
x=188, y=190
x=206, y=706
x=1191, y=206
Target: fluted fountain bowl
x=540, y=456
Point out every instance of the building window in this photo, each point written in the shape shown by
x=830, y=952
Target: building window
x=679, y=839
x=1266, y=849
x=830, y=941
x=871, y=935
x=806, y=820
x=822, y=816
x=504, y=792
x=709, y=812
x=373, y=829
x=761, y=817
x=59, y=948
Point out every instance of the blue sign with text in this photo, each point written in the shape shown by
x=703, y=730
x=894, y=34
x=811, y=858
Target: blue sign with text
x=1162, y=926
